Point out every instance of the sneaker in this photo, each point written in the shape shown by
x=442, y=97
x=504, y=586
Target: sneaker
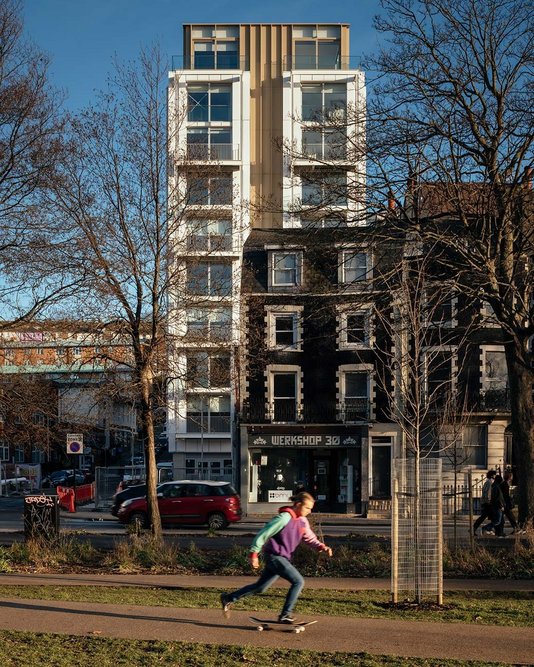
x=286, y=618
x=225, y=604
x=488, y=531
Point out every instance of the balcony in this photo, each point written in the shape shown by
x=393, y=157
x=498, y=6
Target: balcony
x=209, y=61
x=212, y=153
x=322, y=62
x=494, y=400
x=259, y=411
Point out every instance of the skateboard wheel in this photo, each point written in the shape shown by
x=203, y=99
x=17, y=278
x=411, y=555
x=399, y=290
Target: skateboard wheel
x=260, y=628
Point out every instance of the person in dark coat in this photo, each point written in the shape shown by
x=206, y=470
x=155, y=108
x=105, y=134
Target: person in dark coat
x=494, y=527
x=508, y=505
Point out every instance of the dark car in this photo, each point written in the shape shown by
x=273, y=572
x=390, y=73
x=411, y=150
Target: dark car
x=63, y=478
x=187, y=502
x=134, y=491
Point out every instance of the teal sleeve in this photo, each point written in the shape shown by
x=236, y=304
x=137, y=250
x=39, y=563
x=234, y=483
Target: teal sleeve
x=274, y=526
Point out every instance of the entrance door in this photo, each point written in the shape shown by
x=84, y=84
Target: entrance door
x=381, y=471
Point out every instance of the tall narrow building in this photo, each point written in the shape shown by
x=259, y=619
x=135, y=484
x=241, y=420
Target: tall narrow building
x=256, y=113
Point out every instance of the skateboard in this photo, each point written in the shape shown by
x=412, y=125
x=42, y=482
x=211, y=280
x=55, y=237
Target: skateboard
x=262, y=624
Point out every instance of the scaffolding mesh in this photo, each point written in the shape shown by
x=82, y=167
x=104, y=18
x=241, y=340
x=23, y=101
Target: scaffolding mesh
x=416, y=526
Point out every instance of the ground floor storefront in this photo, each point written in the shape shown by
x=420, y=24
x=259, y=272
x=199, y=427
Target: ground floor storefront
x=328, y=461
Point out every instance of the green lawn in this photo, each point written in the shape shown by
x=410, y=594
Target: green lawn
x=26, y=649
x=484, y=607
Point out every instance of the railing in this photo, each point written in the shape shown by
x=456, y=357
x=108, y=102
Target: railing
x=321, y=62
x=259, y=411
x=210, y=60
x=212, y=152
x=494, y=400
x=324, y=151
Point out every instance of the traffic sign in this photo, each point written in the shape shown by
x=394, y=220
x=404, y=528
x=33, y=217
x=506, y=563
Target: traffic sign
x=74, y=443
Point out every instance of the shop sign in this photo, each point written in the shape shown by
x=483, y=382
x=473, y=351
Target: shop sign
x=279, y=495
x=326, y=440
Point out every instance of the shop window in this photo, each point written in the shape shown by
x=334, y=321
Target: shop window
x=285, y=269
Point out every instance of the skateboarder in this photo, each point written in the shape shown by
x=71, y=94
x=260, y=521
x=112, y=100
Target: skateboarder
x=279, y=538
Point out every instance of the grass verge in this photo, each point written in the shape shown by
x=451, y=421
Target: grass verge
x=481, y=607
x=351, y=559
x=26, y=649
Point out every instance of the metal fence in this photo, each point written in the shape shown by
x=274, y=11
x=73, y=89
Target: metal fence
x=109, y=480
x=416, y=530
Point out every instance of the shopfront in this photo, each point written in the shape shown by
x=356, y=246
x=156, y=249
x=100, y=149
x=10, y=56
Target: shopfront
x=324, y=460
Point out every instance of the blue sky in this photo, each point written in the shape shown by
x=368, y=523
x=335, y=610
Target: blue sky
x=82, y=36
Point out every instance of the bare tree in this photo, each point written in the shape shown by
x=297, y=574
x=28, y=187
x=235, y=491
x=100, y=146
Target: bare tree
x=452, y=118
x=30, y=143
x=116, y=219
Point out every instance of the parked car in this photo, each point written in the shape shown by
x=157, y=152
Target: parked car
x=135, y=491
x=187, y=502
x=63, y=478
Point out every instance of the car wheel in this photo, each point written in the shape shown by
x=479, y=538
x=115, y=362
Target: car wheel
x=138, y=519
x=217, y=521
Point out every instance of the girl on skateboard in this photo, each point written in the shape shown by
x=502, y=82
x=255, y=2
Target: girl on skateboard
x=279, y=538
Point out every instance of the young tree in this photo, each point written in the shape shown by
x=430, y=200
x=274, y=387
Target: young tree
x=452, y=118
x=117, y=220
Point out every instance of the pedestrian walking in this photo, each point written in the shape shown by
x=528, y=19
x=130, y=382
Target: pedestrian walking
x=508, y=504
x=279, y=539
x=495, y=524
x=485, y=500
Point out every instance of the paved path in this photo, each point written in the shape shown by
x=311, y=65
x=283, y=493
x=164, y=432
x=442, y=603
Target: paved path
x=376, y=636
x=228, y=583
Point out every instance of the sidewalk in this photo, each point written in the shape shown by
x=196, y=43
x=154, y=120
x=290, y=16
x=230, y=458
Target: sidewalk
x=375, y=636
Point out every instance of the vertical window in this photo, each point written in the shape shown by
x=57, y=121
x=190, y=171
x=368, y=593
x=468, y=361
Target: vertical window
x=324, y=189
x=495, y=370
x=324, y=144
x=357, y=329
x=213, y=324
x=355, y=395
x=208, y=371
x=285, y=329
x=285, y=269
x=475, y=442
x=354, y=266
x=284, y=396
x=439, y=377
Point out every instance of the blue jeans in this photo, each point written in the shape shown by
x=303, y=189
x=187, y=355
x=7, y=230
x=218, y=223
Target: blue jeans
x=275, y=566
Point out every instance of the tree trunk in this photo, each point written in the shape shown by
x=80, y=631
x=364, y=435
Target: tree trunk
x=147, y=427
x=521, y=381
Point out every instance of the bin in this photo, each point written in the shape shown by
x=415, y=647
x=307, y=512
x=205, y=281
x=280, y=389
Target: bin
x=41, y=517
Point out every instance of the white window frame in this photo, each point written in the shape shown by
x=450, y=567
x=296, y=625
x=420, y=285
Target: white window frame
x=343, y=316
x=4, y=451
x=273, y=263
x=343, y=262
x=485, y=382
x=342, y=373
x=273, y=312
x=276, y=369
x=447, y=324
